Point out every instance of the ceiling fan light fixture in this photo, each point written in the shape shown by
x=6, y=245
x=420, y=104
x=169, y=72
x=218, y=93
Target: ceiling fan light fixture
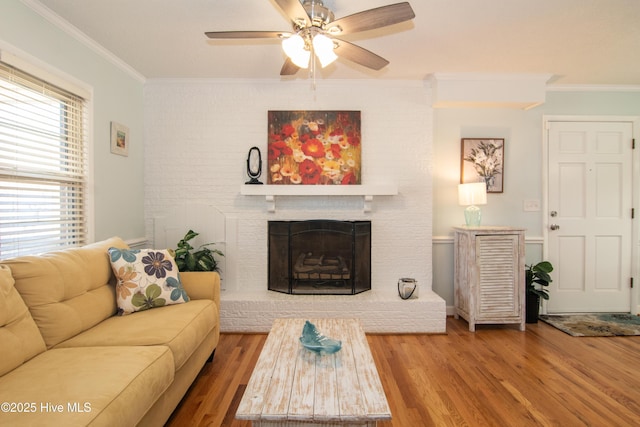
x=301, y=59
x=316, y=31
x=294, y=48
x=323, y=48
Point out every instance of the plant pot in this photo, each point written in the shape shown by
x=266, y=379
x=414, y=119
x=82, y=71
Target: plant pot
x=533, y=308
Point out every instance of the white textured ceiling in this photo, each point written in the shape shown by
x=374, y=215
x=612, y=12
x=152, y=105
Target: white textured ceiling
x=582, y=42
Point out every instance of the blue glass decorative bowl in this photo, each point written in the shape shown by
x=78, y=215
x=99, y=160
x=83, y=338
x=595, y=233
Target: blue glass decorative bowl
x=312, y=339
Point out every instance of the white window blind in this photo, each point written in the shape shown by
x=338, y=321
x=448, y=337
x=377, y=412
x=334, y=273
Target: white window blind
x=43, y=166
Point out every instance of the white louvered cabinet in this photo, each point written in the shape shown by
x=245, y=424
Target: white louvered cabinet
x=489, y=279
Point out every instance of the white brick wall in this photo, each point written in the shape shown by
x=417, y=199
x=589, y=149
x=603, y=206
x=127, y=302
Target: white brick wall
x=198, y=133
x=255, y=312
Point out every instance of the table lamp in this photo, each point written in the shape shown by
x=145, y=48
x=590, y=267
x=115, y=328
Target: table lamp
x=470, y=195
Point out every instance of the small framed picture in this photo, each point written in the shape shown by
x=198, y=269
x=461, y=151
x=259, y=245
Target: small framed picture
x=482, y=160
x=119, y=139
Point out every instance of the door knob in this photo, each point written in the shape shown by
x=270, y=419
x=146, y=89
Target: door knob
x=554, y=213
x=554, y=226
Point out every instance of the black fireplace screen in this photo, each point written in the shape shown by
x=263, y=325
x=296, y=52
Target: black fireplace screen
x=320, y=257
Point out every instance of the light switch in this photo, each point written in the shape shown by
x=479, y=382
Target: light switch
x=531, y=205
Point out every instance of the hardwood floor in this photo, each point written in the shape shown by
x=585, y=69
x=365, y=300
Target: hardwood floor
x=497, y=376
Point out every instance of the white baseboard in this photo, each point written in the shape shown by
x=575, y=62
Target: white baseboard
x=137, y=243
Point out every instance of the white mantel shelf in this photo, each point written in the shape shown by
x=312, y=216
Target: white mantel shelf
x=365, y=191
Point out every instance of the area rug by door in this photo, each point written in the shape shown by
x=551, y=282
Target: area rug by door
x=595, y=324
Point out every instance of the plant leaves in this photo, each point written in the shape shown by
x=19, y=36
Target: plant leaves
x=190, y=262
x=543, y=267
x=206, y=264
x=201, y=260
x=190, y=235
x=541, y=275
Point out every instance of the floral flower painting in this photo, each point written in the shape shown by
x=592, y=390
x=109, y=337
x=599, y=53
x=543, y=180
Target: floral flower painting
x=314, y=148
x=482, y=160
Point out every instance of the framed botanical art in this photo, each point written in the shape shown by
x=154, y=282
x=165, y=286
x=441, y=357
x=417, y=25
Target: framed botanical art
x=314, y=148
x=482, y=160
x=119, y=139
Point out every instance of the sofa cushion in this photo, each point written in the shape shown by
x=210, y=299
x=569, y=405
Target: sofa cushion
x=67, y=291
x=146, y=278
x=18, y=331
x=181, y=327
x=97, y=386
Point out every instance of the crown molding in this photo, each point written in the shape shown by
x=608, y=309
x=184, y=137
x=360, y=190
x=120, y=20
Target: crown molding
x=478, y=90
x=302, y=83
x=74, y=32
x=593, y=88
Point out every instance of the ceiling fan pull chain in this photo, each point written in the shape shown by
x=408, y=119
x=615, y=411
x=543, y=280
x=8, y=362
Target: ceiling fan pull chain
x=312, y=70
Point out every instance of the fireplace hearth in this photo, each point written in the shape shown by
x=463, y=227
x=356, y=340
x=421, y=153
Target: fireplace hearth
x=320, y=257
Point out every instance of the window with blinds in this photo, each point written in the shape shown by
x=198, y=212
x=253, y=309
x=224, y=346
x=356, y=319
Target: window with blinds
x=43, y=166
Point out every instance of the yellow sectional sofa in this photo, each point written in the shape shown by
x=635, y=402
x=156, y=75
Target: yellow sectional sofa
x=67, y=358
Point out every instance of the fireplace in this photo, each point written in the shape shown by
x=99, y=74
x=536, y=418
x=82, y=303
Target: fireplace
x=320, y=257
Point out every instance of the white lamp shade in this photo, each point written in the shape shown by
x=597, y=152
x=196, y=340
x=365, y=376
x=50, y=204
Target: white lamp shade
x=294, y=48
x=472, y=194
x=323, y=47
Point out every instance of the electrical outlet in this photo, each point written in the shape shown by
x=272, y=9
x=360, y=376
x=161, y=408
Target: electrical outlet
x=531, y=205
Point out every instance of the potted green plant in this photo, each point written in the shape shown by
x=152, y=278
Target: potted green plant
x=537, y=278
x=190, y=259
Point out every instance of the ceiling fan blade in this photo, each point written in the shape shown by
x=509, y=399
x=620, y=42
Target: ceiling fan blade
x=359, y=55
x=295, y=11
x=372, y=19
x=247, y=34
x=289, y=68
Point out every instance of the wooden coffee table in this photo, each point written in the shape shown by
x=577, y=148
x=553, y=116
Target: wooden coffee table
x=293, y=386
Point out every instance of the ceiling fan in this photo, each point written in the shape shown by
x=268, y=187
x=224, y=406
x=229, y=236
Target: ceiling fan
x=315, y=34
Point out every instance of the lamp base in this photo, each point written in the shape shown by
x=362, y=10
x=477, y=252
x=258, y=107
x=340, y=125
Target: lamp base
x=472, y=215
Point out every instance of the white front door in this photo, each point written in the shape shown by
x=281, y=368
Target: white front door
x=589, y=219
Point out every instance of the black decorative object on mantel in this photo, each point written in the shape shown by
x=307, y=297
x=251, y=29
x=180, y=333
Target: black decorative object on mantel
x=254, y=165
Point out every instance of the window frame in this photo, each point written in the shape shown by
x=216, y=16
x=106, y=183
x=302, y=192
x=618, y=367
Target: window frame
x=60, y=81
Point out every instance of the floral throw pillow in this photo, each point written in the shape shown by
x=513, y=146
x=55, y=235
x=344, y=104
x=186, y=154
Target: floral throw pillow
x=146, y=278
